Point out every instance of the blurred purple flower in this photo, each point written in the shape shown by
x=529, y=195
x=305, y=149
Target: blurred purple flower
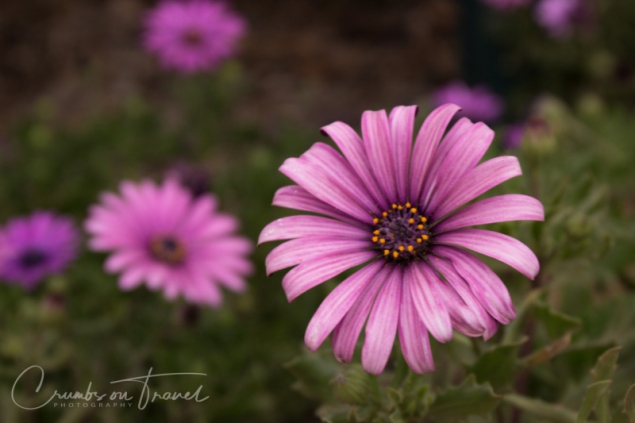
x=506, y=4
x=557, y=16
x=477, y=103
x=392, y=207
x=164, y=237
x=36, y=246
x=192, y=36
x=514, y=135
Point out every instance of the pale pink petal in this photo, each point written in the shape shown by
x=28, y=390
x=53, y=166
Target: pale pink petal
x=347, y=331
x=352, y=147
x=424, y=286
x=302, y=250
x=402, y=120
x=378, y=145
x=382, y=324
x=307, y=275
x=486, y=286
x=499, y=246
x=296, y=197
x=309, y=226
x=426, y=143
x=502, y=208
x=479, y=180
x=413, y=335
x=324, y=187
x=337, y=304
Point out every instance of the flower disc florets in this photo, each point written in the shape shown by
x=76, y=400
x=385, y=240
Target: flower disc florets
x=401, y=233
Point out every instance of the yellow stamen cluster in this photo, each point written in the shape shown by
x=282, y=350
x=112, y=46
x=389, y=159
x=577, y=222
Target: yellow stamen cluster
x=401, y=233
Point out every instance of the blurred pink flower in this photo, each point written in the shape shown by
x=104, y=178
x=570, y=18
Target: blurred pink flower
x=393, y=208
x=192, y=36
x=477, y=103
x=514, y=135
x=556, y=16
x=164, y=237
x=36, y=246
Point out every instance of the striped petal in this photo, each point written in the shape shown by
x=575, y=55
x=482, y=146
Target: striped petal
x=486, y=286
x=493, y=244
x=347, y=331
x=382, y=324
x=426, y=144
x=352, y=146
x=324, y=187
x=503, y=208
x=402, y=120
x=424, y=284
x=479, y=180
x=297, y=198
x=378, y=145
x=302, y=250
x=307, y=275
x=337, y=304
x=413, y=335
x=309, y=226
x=461, y=158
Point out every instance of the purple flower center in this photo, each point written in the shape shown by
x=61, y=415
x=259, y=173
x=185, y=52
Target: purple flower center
x=401, y=233
x=32, y=258
x=192, y=37
x=167, y=249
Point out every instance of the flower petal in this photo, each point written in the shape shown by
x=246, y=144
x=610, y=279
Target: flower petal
x=402, y=120
x=296, y=197
x=502, y=208
x=425, y=145
x=428, y=300
x=302, y=250
x=499, y=246
x=309, y=226
x=461, y=158
x=347, y=331
x=337, y=304
x=324, y=187
x=352, y=147
x=378, y=145
x=478, y=181
x=382, y=324
x=307, y=275
x=486, y=286
x=413, y=335
x=333, y=163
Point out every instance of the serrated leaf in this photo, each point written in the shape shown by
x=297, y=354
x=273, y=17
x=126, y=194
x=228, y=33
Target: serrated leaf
x=550, y=351
x=498, y=366
x=465, y=400
x=629, y=404
x=554, y=413
x=594, y=392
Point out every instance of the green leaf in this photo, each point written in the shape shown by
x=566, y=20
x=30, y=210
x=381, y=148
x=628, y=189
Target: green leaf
x=465, y=400
x=606, y=365
x=554, y=413
x=550, y=351
x=499, y=365
x=594, y=393
x=556, y=323
x=629, y=404
x=314, y=374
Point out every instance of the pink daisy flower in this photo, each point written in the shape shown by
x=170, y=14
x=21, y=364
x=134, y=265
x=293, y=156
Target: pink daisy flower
x=164, y=237
x=192, y=36
x=396, y=209
x=557, y=16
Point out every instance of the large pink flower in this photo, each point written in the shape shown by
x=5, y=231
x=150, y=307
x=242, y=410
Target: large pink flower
x=192, y=36
x=164, y=237
x=393, y=207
